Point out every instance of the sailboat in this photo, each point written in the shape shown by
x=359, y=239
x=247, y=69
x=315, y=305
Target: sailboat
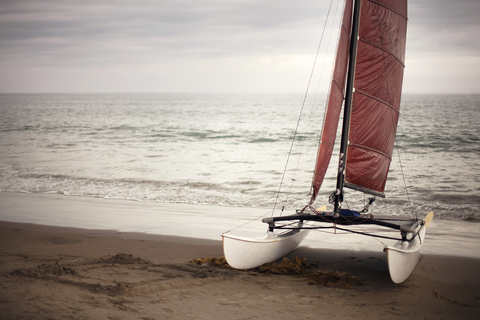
x=367, y=81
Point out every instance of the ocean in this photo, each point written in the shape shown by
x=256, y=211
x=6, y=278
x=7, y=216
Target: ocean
x=229, y=150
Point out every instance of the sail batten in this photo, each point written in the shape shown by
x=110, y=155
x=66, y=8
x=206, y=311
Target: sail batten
x=378, y=99
x=390, y=5
x=393, y=54
x=370, y=149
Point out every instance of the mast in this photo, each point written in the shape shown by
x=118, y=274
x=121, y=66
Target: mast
x=347, y=107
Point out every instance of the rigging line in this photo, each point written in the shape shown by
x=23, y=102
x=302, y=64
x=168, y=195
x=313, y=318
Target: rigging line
x=347, y=231
x=249, y=221
x=376, y=237
x=404, y=179
x=329, y=91
x=358, y=225
x=391, y=114
x=362, y=231
x=332, y=80
x=301, y=112
x=316, y=94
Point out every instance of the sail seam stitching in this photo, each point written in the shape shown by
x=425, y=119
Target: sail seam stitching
x=389, y=8
x=375, y=98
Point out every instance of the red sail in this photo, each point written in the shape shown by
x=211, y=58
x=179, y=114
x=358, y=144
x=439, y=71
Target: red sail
x=335, y=102
x=378, y=88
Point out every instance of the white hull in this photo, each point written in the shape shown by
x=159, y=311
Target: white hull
x=247, y=253
x=404, y=255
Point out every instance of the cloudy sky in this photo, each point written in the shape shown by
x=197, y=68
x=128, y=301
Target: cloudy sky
x=265, y=46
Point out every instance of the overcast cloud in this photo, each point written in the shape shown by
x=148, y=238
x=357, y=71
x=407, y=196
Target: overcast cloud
x=214, y=46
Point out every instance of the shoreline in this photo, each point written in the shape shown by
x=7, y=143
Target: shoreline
x=206, y=222
x=52, y=272
x=123, y=215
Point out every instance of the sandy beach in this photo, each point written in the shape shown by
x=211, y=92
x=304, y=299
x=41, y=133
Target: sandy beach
x=67, y=273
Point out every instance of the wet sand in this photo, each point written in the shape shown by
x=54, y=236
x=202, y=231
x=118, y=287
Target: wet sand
x=66, y=273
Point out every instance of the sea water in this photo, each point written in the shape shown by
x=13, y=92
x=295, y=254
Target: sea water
x=230, y=150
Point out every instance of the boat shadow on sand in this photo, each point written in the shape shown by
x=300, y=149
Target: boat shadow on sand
x=323, y=267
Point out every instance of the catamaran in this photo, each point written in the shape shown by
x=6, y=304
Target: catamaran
x=367, y=81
